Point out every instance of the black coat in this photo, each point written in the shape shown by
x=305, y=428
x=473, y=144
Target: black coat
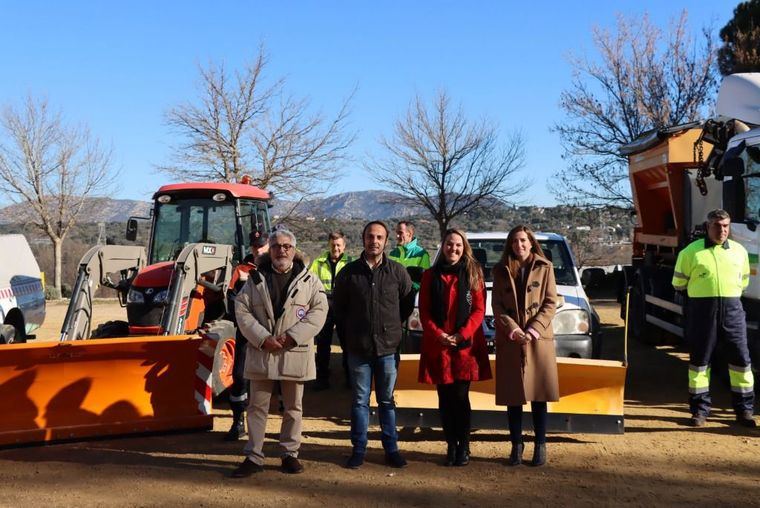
x=370, y=305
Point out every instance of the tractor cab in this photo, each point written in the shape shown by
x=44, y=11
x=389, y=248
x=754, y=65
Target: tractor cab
x=209, y=213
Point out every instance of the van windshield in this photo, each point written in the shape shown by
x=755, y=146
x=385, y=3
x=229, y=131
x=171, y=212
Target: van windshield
x=488, y=252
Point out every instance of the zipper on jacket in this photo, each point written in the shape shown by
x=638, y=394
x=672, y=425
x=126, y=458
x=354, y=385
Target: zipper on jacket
x=373, y=303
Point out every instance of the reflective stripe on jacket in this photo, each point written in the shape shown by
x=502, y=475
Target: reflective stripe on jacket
x=709, y=271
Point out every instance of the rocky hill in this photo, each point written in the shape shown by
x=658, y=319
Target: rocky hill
x=376, y=204
x=95, y=210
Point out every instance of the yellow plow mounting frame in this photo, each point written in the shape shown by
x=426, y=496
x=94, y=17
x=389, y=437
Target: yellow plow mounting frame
x=591, y=398
x=73, y=390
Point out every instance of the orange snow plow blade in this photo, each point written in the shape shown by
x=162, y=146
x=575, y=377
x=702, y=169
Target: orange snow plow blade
x=591, y=398
x=72, y=390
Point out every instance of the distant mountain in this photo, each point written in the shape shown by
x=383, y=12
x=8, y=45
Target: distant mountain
x=371, y=204
x=95, y=210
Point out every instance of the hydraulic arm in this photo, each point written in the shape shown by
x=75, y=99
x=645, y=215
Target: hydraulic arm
x=195, y=265
x=95, y=270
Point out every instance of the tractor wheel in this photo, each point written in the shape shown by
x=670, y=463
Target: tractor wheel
x=8, y=334
x=224, y=362
x=110, y=330
x=223, y=332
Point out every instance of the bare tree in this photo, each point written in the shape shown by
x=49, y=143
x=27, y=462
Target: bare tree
x=586, y=246
x=51, y=168
x=439, y=159
x=242, y=125
x=643, y=79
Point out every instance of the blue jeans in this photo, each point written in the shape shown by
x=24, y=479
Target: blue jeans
x=384, y=370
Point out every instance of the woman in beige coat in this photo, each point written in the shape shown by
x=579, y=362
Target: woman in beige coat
x=524, y=301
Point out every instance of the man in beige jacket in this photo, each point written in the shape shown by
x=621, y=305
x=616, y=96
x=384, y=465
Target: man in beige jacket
x=279, y=311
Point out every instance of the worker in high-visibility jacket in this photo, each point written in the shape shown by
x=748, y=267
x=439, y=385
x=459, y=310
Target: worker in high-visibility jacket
x=714, y=271
x=410, y=253
x=326, y=267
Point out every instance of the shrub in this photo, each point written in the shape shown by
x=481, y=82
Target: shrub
x=52, y=293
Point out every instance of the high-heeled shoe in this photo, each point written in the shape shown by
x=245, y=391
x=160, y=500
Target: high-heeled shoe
x=515, y=457
x=451, y=455
x=539, y=455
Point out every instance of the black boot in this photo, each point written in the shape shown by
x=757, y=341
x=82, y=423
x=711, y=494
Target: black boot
x=451, y=455
x=539, y=455
x=237, y=430
x=515, y=457
x=746, y=419
x=462, y=453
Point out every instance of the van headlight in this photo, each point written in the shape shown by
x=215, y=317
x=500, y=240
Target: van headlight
x=134, y=296
x=414, y=323
x=571, y=322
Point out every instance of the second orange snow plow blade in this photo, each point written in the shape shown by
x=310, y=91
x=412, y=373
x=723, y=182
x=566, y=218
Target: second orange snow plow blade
x=591, y=398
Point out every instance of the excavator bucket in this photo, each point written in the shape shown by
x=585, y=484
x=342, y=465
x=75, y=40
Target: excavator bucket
x=591, y=398
x=104, y=387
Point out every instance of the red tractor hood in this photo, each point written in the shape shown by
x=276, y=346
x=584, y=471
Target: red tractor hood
x=154, y=276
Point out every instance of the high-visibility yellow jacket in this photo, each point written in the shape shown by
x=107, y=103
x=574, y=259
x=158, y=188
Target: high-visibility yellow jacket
x=707, y=270
x=321, y=267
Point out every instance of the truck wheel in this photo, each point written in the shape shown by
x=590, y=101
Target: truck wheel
x=7, y=334
x=110, y=330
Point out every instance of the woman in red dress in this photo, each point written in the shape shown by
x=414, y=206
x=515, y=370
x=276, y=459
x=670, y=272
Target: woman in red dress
x=453, y=351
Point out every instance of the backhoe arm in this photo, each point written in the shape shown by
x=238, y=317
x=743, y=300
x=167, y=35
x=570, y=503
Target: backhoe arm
x=94, y=269
x=193, y=263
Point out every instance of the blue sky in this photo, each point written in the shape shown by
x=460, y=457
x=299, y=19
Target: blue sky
x=119, y=66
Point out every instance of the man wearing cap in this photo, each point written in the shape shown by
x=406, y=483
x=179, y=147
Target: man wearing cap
x=239, y=389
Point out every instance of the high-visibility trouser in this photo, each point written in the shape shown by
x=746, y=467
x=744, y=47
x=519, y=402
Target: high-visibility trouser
x=708, y=321
x=239, y=388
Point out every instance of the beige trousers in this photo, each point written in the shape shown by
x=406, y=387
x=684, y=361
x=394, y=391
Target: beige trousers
x=258, y=410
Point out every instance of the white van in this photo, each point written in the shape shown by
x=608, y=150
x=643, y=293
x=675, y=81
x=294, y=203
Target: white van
x=576, y=324
x=22, y=296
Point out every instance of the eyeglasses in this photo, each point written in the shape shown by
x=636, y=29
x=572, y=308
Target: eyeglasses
x=282, y=246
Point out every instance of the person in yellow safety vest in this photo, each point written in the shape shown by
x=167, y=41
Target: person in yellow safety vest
x=714, y=271
x=326, y=267
x=409, y=253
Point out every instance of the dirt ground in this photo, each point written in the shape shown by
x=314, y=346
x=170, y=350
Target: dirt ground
x=657, y=461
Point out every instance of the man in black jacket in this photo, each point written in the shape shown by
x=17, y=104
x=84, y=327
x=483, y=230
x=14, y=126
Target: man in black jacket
x=372, y=296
